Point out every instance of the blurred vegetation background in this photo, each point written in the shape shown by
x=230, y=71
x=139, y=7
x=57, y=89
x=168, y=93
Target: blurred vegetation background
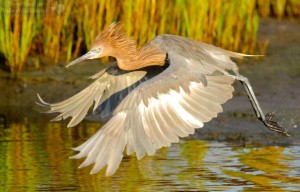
x=60, y=30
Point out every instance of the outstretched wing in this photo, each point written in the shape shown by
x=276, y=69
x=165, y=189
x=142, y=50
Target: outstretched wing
x=111, y=86
x=159, y=111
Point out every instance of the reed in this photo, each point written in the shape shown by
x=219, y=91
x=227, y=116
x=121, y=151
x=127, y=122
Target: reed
x=279, y=8
x=217, y=21
x=58, y=29
x=91, y=18
x=17, y=30
x=69, y=27
x=293, y=9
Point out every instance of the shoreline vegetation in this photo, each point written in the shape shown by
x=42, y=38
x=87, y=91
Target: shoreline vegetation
x=63, y=30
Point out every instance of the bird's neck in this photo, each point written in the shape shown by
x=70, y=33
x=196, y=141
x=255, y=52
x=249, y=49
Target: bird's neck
x=135, y=58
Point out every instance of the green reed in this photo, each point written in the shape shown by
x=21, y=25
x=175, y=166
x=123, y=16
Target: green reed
x=17, y=30
x=217, y=21
x=293, y=9
x=69, y=27
x=279, y=8
x=58, y=29
x=93, y=16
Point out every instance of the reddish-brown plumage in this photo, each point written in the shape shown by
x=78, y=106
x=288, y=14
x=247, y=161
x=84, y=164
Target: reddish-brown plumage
x=117, y=44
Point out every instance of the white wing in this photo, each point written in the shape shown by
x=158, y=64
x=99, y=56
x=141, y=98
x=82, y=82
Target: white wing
x=111, y=86
x=159, y=111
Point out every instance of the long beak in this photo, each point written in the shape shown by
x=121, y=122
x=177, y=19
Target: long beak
x=89, y=55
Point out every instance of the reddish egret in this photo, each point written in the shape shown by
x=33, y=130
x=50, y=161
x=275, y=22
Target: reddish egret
x=151, y=95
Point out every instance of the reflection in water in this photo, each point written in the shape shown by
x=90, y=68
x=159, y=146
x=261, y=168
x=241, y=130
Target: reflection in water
x=272, y=174
x=35, y=157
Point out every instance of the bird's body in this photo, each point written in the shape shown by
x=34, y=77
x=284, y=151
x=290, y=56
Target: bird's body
x=152, y=95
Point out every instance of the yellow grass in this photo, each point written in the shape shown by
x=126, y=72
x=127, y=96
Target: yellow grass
x=67, y=28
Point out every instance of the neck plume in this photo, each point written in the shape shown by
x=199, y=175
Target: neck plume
x=146, y=56
x=125, y=50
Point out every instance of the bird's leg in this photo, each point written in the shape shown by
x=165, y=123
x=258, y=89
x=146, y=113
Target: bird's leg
x=266, y=119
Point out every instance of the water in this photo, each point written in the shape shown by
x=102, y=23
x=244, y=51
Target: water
x=34, y=157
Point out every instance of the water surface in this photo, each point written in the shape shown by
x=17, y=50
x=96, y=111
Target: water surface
x=34, y=157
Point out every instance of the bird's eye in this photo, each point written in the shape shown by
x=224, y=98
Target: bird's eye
x=97, y=50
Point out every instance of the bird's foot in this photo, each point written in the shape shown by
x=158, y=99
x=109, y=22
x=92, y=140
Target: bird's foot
x=273, y=125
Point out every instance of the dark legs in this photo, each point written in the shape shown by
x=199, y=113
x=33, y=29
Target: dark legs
x=266, y=119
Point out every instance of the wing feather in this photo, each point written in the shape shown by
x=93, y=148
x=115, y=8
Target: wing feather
x=105, y=93
x=156, y=111
x=209, y=57
x=159, y=111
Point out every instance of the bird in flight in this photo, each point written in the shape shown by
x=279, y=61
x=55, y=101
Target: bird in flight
x=151, y=95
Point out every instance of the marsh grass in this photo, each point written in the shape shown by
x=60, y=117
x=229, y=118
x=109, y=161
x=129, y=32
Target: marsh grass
x=279, y=8
x=231, y=24
x=217, y=21
x=16, y=33
x=58, y=31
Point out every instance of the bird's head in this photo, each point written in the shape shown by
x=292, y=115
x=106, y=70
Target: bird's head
x=111, y=42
